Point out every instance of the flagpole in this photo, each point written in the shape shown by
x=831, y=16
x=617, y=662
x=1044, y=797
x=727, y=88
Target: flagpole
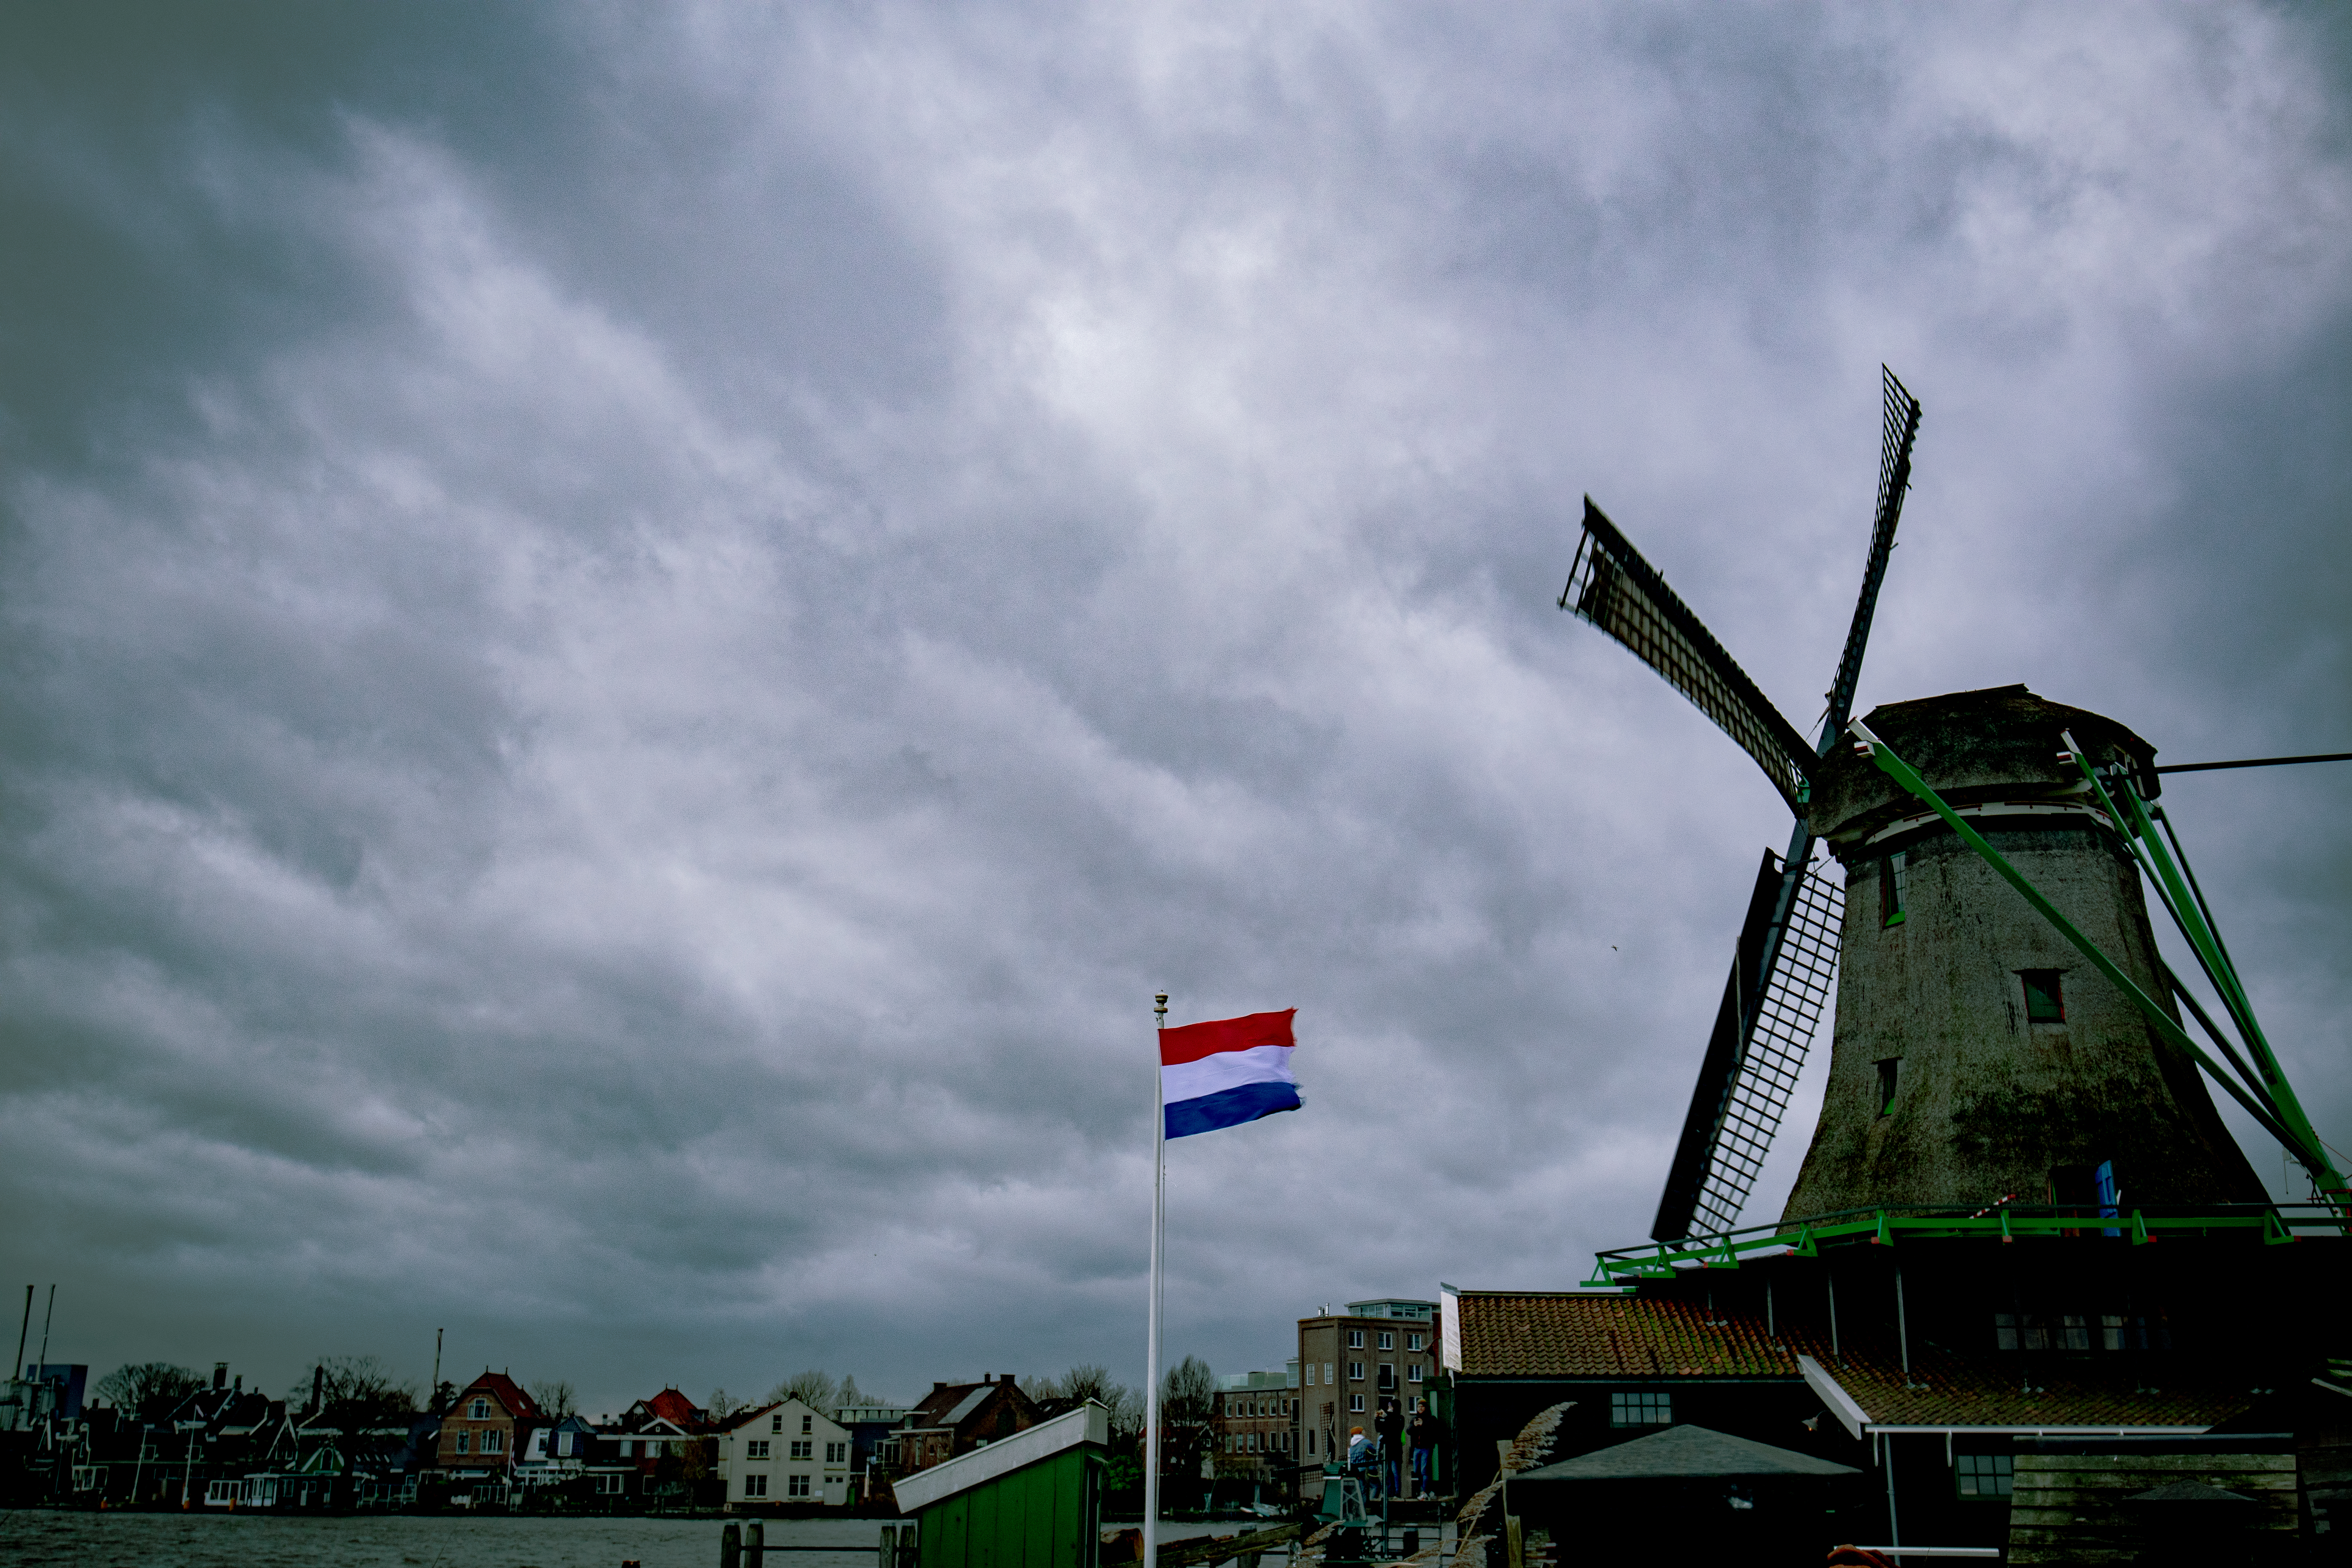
x=1151, y=1355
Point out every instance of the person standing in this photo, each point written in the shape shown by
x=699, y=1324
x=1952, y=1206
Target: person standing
x=1421, y=1432
x=1389, y=1424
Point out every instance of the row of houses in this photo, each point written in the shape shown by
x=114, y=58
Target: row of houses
x=492, y=1446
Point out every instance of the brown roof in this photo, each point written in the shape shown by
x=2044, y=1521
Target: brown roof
x=1993, y=1390
x=1581, y=1334
x=1599, y=1334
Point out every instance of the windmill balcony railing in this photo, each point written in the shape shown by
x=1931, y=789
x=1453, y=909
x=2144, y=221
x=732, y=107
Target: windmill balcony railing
x=2271, y=1223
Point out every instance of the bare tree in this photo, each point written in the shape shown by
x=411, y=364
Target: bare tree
x=812, y=1388
x=1188, y=1399
x=850, y=1394
x=555, y=1399
x=1187, y=1395
x=1089, y=1380
x=361, y=1382
x=720, y=1404
x=132, y=1386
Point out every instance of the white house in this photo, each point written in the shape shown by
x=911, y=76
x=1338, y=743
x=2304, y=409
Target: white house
x=784, y=1453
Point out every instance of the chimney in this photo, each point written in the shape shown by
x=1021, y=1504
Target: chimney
x=937, y=1387
x=236, y=1383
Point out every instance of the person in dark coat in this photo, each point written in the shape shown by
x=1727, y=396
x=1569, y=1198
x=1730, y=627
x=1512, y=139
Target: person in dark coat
x=1421, y=1435
x=1389, y=1424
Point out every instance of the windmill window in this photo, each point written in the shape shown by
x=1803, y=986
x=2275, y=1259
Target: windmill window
x=1891, y=887
x=1887, y=1071
x=1982, y=1476
x=2045, y=1003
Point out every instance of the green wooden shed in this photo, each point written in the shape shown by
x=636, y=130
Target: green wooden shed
x=1030, y=1501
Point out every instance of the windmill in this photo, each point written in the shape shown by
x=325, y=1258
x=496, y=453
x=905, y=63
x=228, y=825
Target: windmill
x=1786, y=958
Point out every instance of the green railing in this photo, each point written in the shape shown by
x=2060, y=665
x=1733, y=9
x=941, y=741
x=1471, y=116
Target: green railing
x=2272, y=1223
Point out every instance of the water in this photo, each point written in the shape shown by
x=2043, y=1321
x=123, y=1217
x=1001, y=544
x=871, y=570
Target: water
x=32, y=1537
x=407, y=1541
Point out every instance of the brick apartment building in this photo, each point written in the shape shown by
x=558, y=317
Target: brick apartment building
x=1256, y=1429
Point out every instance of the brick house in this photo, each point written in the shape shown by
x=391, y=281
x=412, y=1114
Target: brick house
x=1349, y=1362
x=957, y=1417
x=486, y=1428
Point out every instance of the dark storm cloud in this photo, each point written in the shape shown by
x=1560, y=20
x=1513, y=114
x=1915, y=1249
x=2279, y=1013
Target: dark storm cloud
x=634, y=641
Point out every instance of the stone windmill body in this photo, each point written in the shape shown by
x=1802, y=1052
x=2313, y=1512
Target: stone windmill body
x=1976, y=1056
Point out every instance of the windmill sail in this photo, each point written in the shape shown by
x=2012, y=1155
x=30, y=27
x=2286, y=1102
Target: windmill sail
x=1612, y=586
x=1762, y=1032
x=1787, y=957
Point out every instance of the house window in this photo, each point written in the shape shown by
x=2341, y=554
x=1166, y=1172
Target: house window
x=1388, y=1377
x=1887, y=1071
x=1643, y=1409
x=801, y=1450
x=1985, y=1476
x=479, y=1410
x=755, y=1486
x=2045, y=1003
x=1355, y=1405
x=1327, y=1372
x=2042, y=1331
x=494, y=1442
x=609, y=1483
x=1388, y=1341
x=836, y=1453
x=804, y=1423
x=1355, y=1339
x=796, y=1485
x=1310, y=1375
x=1310, y=1442
x=1412, y=1373
x=775, y=1423
x=756, y=1449
x=1413, y=1341
x=464, y=1440
x=1355, y=1372
x=1890, y=889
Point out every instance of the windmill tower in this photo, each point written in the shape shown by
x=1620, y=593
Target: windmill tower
x=1943, y=1088
x=1976, y=1055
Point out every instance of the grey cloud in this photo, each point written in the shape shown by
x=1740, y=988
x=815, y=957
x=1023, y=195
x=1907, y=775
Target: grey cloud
x=635, y=642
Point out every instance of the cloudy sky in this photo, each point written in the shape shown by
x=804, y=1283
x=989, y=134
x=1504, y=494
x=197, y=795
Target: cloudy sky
x=636, y=635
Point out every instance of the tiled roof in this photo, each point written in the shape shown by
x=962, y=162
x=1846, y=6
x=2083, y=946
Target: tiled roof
x=1596, y=1334
x=2014, y=1389
x=1603, y=1334
x=507, y=1392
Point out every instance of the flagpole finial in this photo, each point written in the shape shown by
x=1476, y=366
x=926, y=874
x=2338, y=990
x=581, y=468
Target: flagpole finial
x=1159, y=1006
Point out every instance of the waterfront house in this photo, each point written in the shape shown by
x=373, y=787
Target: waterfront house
x=785, y=1454
x=957, y=1417
x=486, y=1427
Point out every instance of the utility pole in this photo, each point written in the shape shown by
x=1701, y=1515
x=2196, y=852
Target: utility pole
x=434, y=1392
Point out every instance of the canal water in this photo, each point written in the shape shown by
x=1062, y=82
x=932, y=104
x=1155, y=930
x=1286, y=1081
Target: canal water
x=33, y=1537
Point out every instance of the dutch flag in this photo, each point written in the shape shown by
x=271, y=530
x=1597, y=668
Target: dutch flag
x=1226, y=1072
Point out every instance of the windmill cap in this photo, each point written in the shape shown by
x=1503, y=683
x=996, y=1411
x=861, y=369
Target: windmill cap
x=2002, y=743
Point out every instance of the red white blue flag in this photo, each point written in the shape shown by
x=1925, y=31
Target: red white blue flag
x=1226, y=1072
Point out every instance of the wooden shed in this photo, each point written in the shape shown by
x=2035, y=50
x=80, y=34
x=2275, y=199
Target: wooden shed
x=1030, y=1501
